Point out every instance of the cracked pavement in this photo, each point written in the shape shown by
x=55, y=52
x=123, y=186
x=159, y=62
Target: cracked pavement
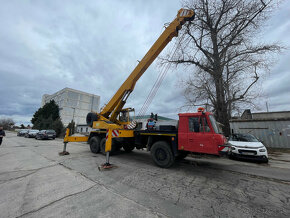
x=36, y=182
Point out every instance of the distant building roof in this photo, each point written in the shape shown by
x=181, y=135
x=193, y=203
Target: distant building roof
x=72, y=90
x=263, y=116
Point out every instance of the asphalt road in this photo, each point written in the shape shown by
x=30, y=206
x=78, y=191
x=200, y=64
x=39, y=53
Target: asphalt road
x=36, y=182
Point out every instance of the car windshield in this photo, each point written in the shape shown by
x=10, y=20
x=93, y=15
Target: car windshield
x=50, y=131
x=214, y=124
x=33, y=131
x=243, y=138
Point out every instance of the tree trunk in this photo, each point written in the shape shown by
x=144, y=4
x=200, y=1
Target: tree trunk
x=221, y=107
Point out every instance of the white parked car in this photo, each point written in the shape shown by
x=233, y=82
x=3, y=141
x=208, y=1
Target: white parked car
x=246, y=146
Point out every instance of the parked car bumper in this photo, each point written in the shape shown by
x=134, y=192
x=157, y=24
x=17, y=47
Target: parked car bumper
x=250, y=154
x=49, y=137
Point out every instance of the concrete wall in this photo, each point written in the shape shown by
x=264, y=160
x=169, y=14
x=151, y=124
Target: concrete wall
x=73, y=104
x=273, y=133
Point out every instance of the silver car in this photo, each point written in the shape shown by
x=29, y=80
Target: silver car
x=31, y=133
x=246, y=146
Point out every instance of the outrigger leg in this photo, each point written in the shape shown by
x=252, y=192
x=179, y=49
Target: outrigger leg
x=108, y=148
x=64, y=152
x=106, y=165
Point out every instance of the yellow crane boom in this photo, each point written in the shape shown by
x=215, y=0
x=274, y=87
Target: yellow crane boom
x=115, y=105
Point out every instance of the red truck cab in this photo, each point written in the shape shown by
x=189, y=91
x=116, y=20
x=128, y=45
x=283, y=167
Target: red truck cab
x=199, y=132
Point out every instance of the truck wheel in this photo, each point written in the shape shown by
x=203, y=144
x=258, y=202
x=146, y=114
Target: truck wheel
x=128, y=147
x=95, y=144
x=103, y=147
x=162, y=154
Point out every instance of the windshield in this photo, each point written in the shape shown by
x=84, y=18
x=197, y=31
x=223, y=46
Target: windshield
x=243, y=138
x=132, y=115
x=50, y=131
x=214, y=124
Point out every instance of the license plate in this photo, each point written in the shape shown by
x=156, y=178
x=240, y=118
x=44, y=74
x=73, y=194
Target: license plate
x=248, y=153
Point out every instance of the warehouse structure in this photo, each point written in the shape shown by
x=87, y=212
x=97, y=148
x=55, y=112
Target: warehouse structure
x=272, y=128
x=73, y=104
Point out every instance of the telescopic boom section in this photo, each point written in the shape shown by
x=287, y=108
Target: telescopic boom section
x=115, y=105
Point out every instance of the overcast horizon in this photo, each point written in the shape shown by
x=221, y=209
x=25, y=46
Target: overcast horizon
x=92, y=46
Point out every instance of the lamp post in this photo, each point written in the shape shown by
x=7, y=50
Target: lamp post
x=73, y=113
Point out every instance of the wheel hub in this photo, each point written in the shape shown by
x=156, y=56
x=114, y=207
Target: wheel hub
x=161, y=155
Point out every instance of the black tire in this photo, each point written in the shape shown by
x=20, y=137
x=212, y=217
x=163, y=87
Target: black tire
x=91, y=117
x=103, y=147
x=231, y=156
x=128, y=147
x=162, y=154
x=95, y=144
x=181, y=155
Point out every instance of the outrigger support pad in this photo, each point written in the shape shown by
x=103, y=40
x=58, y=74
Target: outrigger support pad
x=106, y=165
x=64, y=152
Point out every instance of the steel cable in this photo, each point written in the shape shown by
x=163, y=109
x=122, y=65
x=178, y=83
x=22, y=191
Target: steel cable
x=158, y=81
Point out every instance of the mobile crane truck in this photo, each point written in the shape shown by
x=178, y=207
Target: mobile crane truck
x=113, y=128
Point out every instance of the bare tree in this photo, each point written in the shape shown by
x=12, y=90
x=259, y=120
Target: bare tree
x=222, y=45
x=6, y=123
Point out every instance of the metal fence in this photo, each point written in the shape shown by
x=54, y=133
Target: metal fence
x=273, y=133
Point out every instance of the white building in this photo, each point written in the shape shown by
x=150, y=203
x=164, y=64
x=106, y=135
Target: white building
x=73, y=104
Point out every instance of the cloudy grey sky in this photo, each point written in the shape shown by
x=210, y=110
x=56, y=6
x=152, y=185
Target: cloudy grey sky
x=94, y=45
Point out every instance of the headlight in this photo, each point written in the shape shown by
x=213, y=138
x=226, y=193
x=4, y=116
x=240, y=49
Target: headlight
x=233, y=148
x=262, y=150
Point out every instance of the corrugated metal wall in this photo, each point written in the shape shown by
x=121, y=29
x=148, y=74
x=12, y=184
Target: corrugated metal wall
x=274, y=134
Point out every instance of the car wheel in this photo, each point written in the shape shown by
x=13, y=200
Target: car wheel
x=95, y=144
x=162, y=154
x=265, y=160
x=231, y=156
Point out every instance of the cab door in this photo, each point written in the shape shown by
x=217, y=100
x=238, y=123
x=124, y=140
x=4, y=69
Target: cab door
x=199, y=135
x=209, y=143
x=194, y=135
